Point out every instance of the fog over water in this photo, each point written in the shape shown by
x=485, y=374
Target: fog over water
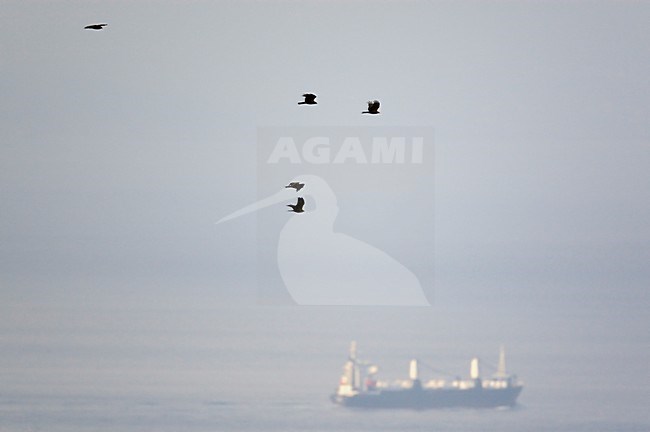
x=124, y=307
x=273, y=368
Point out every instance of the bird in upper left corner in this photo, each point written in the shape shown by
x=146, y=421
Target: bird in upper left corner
x=310, y=99
x=95, y=26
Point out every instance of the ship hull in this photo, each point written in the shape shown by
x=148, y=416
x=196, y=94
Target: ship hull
x=432, y=398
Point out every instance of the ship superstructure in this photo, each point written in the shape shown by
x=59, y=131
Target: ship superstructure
x=359, y=387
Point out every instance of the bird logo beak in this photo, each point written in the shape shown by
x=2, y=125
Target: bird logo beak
x=281, y=196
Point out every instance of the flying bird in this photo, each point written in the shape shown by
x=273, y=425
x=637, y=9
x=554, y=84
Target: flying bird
x=297, y=207
x=297, y=186
x=320, y=266
x=310, y=99
x=373, y=107
x=95, y=26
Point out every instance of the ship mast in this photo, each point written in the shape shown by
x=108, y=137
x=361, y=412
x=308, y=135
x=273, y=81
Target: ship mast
x=353, y=373
x=474, y=372
x=353, y=350
x=501, y=367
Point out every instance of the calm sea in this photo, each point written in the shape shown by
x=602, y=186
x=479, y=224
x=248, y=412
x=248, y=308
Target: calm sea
x=253, y=368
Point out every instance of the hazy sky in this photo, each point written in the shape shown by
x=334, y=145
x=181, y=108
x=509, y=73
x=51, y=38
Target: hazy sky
x=120, y=149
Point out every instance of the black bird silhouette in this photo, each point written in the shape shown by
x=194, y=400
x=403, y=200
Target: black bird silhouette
x=95, y=26
x=373, y=107
x=310, y=99
x=297, y=186
x=297, y=208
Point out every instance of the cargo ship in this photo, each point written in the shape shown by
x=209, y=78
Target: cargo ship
x=360, y=388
